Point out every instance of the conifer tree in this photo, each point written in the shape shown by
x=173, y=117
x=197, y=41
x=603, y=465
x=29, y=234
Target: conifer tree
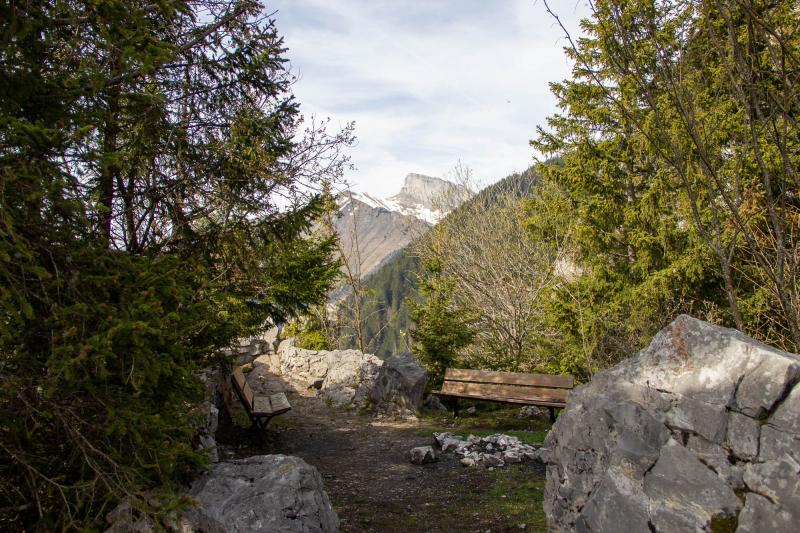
x=638, y=255
x=156, y=195
x=693, y=105
x=440, y=331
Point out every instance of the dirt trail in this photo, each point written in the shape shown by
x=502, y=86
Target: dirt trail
x=374, y=487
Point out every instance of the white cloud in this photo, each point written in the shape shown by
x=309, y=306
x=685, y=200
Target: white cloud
x=428, y=83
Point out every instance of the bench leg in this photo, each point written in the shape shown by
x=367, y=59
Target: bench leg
x=259, y=423
x=455, y=407
x=552, y=415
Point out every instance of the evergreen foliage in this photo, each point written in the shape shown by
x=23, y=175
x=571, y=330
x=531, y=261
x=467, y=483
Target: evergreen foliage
x=386, y=322
x=441, y=328
x=308, y=332
x=142, y=150
x=676, y=207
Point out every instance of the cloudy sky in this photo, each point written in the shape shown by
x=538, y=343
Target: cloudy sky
x=428, y=82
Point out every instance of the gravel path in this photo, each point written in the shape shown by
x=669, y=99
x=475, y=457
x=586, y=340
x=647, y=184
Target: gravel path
x=374, y=487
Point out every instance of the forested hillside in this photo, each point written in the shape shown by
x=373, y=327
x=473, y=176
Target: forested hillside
x=386, y=319
x=674, y=190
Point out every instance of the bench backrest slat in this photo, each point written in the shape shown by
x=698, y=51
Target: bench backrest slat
x=244, y=390
x=503, y=391
x=509, y=378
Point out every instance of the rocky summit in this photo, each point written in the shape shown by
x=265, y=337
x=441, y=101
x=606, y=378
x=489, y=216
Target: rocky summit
x=698, y=432
x=372, y=229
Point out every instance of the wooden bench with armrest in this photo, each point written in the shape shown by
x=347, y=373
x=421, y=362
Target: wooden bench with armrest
x=544, y=390
x=259, y=408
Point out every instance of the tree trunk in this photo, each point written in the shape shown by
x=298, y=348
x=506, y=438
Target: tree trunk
x=109, y=167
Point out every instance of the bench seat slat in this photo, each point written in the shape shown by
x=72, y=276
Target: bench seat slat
x=506, y=392
x=503, y=400
x=262, y=407
x=279, y=403
x=509, y=378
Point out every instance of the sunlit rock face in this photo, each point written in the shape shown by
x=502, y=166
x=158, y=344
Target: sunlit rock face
x=428, y=198
x=700, y=431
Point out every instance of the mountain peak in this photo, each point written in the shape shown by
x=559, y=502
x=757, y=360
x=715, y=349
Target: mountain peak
x=372, y=229
x=430, y=195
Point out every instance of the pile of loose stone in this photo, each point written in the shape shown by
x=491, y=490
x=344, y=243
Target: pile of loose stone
x=491, y=452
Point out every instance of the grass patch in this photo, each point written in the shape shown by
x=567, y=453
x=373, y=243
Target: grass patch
x=516, y=494
x=500, y=500
x=490, y=418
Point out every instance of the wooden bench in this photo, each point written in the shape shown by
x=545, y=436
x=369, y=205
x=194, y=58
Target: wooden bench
x=507, y=387
x=260, y=409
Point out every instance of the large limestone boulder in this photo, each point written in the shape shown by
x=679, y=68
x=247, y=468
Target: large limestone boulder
x=342, y=376
x=698, y=432
x=400, y=385
x=264, y=493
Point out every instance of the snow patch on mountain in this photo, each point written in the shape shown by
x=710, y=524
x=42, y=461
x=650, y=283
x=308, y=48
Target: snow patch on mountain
x=423, y=197
x=372, y=229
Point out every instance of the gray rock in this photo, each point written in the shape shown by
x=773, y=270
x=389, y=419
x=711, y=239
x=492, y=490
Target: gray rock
x=776, y=444
x=342, y=376
x=207, y=424
x=399, y=385
x=531, y=411
x=662, y=440
x=339, y=394
x=125, y=519
x=271, y=336
x=778, y=481
x=685, y=495
x=423, y=454
x=493, y=451
x=492, y=460
x=439, y=438
x=617, y=505
x=541, y=455
x=469, y=461
x=765, y=382
x=511, y=457
x=433, y=403
x=716, y=458
x=268, y=493
x=707, y=419
x=785, y=418
x=743, y=436
x=760, y=515
x=471, y=411
x=451, y=445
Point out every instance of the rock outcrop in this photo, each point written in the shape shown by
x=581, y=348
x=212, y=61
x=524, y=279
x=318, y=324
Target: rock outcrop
x=698, y=432
x=399, y=386
x=425, y=194
x=342, y=376
x=264, y=493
